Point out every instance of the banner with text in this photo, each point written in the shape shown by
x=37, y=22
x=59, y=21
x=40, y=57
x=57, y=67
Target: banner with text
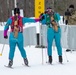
x=39, y=7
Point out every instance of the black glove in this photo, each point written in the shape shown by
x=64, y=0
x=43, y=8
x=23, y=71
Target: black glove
x=43, y=17
x=6, y=37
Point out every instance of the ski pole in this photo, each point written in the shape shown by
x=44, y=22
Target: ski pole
x=46, y=55
x=46, y=44
x=2, y=50
x=42, y=55
x=66, y=57
x=41, y=41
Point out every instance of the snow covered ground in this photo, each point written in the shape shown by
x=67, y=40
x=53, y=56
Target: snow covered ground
x=34, y=56
x=35, y=61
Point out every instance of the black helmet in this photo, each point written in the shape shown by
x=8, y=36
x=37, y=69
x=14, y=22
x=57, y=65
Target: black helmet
x=16, y=10
x=71, y=6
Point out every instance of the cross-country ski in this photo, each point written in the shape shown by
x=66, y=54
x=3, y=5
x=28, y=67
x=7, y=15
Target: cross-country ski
x=8, y=67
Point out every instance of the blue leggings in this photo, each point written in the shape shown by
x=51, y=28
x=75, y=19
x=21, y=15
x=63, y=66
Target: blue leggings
x=16, y=41
x=51, y=34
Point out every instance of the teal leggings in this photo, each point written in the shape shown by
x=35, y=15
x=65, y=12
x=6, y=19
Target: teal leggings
x=51, y=34
x=16, y=41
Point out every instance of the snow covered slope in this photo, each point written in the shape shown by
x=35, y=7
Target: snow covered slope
x=35, y=61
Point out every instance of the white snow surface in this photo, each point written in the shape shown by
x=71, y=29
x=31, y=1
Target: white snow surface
x=34, y=56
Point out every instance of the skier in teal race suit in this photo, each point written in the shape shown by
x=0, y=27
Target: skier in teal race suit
x=51, y=18
x=16, y=23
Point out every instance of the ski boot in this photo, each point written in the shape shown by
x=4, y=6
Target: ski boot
x=50, y=59
x=26, y=61
x=10, y=63
x=68, y=50
x=60, y=59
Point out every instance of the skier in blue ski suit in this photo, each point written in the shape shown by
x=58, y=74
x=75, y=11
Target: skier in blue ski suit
x=16, y=38
x=52, y=33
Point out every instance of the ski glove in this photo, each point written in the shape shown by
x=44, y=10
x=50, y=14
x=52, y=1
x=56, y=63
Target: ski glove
x=6, y=37
x=5, y=34
x=42, y=17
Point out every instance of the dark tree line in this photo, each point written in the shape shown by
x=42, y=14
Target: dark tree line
x=6, y=7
